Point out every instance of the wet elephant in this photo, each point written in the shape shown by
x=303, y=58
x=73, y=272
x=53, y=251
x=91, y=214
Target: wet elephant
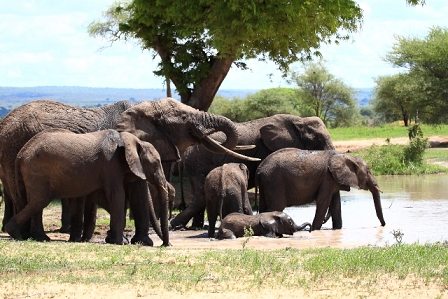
x=226, y=192
x=268, y=134
x=293, y=177
x=167, y=124
x=270, y=224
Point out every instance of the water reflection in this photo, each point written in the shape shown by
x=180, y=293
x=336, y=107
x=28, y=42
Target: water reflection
x=417, y=206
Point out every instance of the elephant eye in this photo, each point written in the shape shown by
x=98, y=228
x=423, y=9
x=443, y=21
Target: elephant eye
x=184, y=117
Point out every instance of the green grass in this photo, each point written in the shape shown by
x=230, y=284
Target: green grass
x=195, y=270
x=385, y=131
x=437, y=153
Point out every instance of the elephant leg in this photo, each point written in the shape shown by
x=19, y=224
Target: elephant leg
x=9, y=209
x=117, y=218
x=335, y=210
x=139, y=205
x=90, y=210
x=226, y=234
x=76, y=218
x=213, y=210
x=15, y=226
x=196, y=207
x=323, y=200
x=37, y=228
x=65, y=216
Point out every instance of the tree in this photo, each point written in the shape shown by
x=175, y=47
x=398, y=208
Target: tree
x=328, y=97
x=426, y=62
x=268, y=102
x=264, y=103
x=234, y=109
x=396, y=97
x=199, y=41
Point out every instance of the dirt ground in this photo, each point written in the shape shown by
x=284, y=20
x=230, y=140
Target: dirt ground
x=186, y=240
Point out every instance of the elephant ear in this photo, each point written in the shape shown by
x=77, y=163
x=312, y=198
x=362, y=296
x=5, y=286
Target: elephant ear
x=344, y=170
x=145, y=121
x=281, y=132
x=132, y=146
x=270, y=223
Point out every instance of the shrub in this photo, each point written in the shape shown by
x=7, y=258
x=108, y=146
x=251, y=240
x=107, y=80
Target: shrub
x=398, y=159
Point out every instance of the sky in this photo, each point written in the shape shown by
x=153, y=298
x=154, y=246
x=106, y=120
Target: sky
x=45, y=43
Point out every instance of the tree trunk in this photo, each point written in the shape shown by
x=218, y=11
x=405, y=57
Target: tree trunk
x=204, y=92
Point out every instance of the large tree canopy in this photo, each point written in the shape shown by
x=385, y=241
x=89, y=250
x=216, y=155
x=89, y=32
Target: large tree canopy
x=426, y=62
x=199, y=41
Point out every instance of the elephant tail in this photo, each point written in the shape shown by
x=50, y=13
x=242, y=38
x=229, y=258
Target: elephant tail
x=256, y=205
x=20, y=187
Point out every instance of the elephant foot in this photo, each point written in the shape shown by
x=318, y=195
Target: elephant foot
x=179, y=227
x=65, y=229
x=144, y=240
x=75, y=239
x=118, y=241
x=14, y=231
x=40, y=237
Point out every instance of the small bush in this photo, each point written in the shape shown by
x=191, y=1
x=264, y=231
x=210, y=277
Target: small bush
x=393, y=159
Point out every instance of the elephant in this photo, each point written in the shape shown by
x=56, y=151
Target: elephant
x=269, y=224
x=226, y=192
x=57, y=163
x=268, y=135
x=293, y=177
x=167, y=124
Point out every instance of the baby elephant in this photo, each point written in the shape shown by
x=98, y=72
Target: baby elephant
x=225, y=190
x=269, y=224
x=60, y=164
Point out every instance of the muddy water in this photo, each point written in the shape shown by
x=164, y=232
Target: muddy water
x=414, y=206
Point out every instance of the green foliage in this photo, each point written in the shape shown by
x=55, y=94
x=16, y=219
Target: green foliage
x=326, y=96
x=383, y=132
x=198, y=42
x=392, y=159
x=396, y=97
x=266, y=102
x=425, y=60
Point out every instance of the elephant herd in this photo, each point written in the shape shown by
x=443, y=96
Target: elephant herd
x=121, y=154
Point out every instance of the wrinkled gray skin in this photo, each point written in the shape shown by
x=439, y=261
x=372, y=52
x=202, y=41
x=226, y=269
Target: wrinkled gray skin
x=82, y=218
x=29, y=119
x=82, y=231
x=270, y=224
x=293, y=177
x=58, y=163
x=226, y=192
x=167, y=124
x=268, y=135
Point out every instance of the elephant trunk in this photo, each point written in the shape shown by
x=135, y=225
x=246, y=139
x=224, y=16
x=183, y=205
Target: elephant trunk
x=225, y=135
x=210, y=124
x=302, y=226
x=377, y=201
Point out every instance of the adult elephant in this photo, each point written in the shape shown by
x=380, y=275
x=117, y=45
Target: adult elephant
x=58, y=163
x=268, y=134
x=167, y=124
x=293, y=177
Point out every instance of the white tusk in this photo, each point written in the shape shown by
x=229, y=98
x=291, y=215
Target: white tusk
x=232, y=153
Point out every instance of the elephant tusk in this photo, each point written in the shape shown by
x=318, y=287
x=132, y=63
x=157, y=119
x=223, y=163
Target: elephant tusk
x=230, y=152
x=378, y=188
x=244, y=147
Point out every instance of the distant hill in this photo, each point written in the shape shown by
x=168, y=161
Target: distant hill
x=12, y=97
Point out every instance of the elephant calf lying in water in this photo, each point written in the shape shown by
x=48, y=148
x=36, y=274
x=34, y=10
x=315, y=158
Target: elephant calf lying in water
x=270, y=224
